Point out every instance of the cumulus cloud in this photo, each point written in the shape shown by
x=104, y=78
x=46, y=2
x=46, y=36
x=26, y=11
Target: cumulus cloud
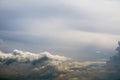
x=28, y=65
x=21, y=56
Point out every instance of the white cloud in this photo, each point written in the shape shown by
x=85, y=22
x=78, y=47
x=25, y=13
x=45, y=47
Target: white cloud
x=20, y=56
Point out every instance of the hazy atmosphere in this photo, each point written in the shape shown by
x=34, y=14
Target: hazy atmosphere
x=59, y=40
x=82, y=29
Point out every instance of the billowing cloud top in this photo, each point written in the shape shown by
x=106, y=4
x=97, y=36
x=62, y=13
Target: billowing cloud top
x=21, y=56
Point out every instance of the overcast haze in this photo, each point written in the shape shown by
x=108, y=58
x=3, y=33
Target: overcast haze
x=82, y=29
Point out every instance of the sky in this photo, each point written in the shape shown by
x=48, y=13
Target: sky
x=81, y=29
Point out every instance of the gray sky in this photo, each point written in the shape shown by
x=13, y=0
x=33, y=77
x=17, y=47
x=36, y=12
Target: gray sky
x=75, y=28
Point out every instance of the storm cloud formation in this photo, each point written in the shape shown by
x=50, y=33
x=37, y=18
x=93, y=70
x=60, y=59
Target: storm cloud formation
x=113, y=66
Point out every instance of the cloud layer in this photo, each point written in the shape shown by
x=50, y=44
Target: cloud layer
x=63, y=27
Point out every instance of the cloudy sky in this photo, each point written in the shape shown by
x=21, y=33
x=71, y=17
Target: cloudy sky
x=76, y=28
